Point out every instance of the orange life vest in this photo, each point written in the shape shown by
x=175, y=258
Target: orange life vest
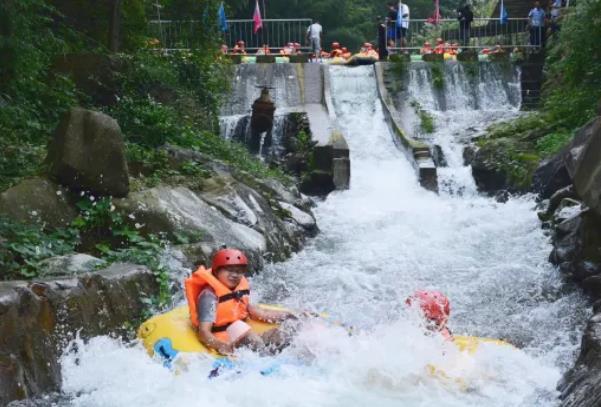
x=232, y=305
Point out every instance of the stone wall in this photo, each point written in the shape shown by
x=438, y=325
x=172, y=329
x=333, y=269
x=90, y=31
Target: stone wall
x=38, y=318
x=572, y=181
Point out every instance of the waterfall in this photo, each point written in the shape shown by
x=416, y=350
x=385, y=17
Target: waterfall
x=380, y=241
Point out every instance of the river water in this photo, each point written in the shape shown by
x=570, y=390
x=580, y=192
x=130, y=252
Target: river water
x=380, y=241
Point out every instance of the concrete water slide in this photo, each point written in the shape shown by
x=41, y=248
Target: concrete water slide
x=303, y=88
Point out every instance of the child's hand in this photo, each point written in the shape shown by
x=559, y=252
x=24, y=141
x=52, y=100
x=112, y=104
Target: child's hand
x=226, y=349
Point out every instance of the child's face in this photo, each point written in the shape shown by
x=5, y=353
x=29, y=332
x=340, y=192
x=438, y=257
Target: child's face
x=230, y=276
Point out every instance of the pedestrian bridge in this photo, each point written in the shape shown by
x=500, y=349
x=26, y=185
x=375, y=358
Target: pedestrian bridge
x=486, y=33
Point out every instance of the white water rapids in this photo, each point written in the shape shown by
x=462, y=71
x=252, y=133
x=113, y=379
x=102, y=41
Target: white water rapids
x=380, y=241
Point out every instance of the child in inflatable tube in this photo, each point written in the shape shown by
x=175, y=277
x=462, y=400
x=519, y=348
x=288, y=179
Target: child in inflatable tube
x=435, y=308
x=219, y=303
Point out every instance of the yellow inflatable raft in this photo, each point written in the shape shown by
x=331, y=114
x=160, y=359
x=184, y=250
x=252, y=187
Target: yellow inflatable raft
x=170, y=333
x=362, y=59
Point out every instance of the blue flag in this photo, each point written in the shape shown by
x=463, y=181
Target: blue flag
x=503, y=16
x=399, y=16
x=221, y=18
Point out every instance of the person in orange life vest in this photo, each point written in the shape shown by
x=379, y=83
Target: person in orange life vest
x=439, y=48
x=426, y=49
x=288, y=50
x=220, y=297
x=346, y=54
x=264, y=50
x=436, y=310
x=239, y=48
x=336, y=50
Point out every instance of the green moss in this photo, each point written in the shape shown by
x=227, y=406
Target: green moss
x=437, y=71
x=399, y=64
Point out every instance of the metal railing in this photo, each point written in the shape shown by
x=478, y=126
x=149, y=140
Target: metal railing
x=180, y=35
x=483, y=33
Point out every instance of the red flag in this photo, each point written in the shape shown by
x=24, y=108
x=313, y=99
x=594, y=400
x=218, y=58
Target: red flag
x=257, y=18
x=435, y=18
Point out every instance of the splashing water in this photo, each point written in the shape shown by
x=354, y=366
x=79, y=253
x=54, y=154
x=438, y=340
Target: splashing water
x=381, y=240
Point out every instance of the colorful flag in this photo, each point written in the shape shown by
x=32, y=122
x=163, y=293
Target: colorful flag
x=435, y=18
x=221, y=18
x=258, y=21
x=503, y=16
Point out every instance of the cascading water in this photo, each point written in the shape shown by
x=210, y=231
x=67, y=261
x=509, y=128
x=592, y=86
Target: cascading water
x=381, y=240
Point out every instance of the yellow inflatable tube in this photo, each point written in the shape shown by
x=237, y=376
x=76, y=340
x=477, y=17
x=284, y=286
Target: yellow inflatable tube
x=175, y=326
x=174, y=331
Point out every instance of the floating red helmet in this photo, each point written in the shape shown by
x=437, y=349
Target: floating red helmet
x=228, y=257
x=434, y=305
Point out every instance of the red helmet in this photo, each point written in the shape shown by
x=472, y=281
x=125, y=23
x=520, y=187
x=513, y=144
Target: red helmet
x=228, y=257
x=434, y=304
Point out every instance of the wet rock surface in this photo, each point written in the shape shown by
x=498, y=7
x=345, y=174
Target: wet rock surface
x=37, y=200
x=572, y=180
x=38, y=318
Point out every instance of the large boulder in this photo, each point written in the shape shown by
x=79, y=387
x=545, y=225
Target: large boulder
x=37, y=200
x=38, y=318
x=560, y=170
x=587, y=175
x=486, y=168
x=178, y=210
x=577, y=249
x=581, y=386
x=69, y=265
x=87, y=153
x=277, y=221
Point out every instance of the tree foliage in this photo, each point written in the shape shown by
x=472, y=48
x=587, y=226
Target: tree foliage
x=351, y=22
x=573, y=89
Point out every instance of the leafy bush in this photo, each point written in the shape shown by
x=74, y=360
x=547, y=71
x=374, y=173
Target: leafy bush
x=22, y=247
x=573, y=89
x=31, y=100
x=551, y=143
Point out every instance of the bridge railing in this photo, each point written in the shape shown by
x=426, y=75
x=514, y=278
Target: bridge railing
x=483, y=33
x=180, y=35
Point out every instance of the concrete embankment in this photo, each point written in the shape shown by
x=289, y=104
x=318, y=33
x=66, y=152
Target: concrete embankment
x=297, y=89
x=417, y=152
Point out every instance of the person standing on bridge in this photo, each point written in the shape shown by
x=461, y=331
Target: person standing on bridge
x=536, y=19
x=314, y=38
x=465, y=17
x=402, y=23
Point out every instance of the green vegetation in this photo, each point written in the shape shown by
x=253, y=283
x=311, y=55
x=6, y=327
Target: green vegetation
x=99, y=229
x=425, y=118
x=437, y=72
x=157, y=99
x=571, y=96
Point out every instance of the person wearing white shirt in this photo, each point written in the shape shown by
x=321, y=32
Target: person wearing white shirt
x=314, y=36
x=404, y=11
